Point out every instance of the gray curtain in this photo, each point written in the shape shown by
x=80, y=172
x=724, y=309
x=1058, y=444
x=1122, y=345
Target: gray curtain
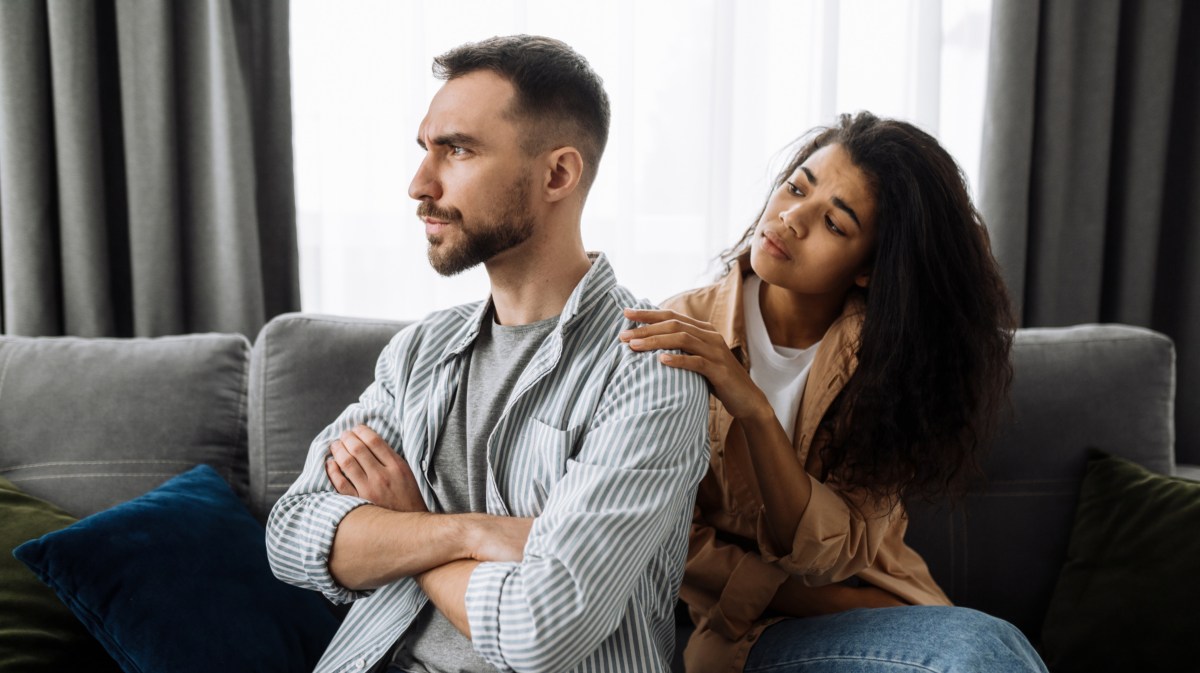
x=146, y=180
x=1091, y=170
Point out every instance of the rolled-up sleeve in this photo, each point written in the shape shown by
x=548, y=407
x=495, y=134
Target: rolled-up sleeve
x=839, y=535
x=626, y=496
x=737, y=585
x=303, y=522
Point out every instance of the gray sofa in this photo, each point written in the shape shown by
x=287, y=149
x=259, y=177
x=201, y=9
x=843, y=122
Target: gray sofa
x=89, y=423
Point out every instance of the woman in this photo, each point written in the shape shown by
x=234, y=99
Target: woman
x=858, y=353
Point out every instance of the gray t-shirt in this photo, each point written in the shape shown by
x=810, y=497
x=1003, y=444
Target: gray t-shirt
x=459, y=476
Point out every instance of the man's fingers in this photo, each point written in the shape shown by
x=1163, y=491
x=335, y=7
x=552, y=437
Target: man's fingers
x=340, y=483
x=346, y=461
x=379, y=448
x=359, y=449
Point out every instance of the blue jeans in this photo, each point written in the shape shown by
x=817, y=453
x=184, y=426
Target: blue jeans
x=929, y=639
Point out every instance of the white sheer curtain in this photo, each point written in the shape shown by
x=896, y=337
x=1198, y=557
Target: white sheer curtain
x=704, y=92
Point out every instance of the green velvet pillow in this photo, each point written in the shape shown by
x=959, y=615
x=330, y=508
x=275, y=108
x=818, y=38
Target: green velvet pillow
x=1128, y=596
x=37, y=632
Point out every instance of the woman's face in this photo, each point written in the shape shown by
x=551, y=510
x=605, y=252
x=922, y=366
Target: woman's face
x=817, y=233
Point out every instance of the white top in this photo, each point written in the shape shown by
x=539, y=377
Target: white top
x=779, y=371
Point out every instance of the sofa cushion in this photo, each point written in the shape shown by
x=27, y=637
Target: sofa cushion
x=1127, y=597
x=305, y=369
x=38, y=634
x=88, y=423
x=1106, y=386
x=178, y=580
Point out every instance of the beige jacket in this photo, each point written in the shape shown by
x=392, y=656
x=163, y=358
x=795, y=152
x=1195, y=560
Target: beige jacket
x=733, y=571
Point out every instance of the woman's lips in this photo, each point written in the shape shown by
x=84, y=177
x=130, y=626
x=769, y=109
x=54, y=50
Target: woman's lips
x=774, y=247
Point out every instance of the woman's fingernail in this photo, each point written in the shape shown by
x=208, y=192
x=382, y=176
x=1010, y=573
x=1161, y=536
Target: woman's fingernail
x=636, y=343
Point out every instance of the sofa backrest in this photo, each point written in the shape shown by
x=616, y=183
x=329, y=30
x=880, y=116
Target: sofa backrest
x=1111, y=387
x=1104, y=386
x=305, y=369
x=89, y=423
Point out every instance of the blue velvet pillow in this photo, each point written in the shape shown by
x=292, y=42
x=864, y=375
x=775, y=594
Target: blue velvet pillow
x=177, y=580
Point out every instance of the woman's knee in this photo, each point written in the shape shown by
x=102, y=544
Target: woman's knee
x=916, y=638
x=974, y=640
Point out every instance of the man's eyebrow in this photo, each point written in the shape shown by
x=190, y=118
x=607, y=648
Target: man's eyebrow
x=849, y=211
x=456, y=138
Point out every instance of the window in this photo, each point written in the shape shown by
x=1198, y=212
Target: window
x=705, y=94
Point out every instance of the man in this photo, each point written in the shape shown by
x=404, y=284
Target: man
x=514, y=490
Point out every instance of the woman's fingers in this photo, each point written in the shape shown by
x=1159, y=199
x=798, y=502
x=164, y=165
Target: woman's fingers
x=684, y=341
x=662, y=315
x=694, y=363
x=701, y=331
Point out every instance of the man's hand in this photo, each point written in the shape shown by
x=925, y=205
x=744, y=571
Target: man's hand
x=363, y=465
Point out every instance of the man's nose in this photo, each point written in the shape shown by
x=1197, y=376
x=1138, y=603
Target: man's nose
x=425, y=184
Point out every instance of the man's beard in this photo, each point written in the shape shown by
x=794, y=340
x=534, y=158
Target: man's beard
x=507, y=227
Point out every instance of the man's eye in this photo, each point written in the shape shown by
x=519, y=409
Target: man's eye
x=793, y=189
x=457, y=151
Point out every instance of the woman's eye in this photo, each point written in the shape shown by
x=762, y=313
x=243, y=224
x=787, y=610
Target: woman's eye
x=829, y=224
x=793, y=189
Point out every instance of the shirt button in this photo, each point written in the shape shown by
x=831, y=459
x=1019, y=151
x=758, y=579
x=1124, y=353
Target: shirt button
x=424, y=464
x=361, y=663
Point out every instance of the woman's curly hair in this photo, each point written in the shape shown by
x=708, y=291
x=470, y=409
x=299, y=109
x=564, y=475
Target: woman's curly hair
x=933, y=358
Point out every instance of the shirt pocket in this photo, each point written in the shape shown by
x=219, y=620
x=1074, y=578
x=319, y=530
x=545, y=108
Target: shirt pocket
x=542, y=462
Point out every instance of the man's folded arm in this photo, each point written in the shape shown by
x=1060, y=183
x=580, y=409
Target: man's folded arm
x=303, y=523
x=628, y=491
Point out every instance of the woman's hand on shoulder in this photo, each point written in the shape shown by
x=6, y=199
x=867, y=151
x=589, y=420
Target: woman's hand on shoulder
x=704, y=351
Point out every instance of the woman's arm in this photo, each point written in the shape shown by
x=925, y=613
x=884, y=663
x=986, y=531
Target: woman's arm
x=784, y=483
x=797, y=599
x=734, y=587
x=818, y=531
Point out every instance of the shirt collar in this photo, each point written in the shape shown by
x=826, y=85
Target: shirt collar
x=728, y=315
x=595, y=284
x=729, y=319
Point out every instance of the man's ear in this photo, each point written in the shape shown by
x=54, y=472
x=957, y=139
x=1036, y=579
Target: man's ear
x=564, y=169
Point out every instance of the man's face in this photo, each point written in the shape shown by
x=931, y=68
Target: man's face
x=474, y=183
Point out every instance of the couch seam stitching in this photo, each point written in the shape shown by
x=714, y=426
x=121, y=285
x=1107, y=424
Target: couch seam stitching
x=4, y=371
x=243, y=413
x=258, y=500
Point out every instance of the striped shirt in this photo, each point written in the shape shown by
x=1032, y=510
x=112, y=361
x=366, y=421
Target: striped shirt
x=604, y=445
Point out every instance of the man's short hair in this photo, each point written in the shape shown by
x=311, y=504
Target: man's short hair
x=556, y=90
